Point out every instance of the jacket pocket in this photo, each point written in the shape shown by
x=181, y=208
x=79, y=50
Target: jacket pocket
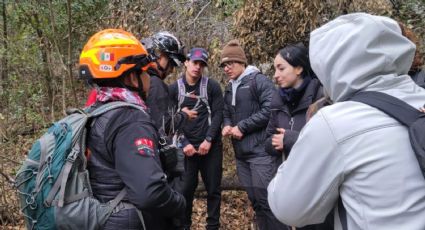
x=250, y=145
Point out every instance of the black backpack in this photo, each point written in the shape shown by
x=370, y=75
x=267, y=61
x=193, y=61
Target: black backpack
x=403, y=113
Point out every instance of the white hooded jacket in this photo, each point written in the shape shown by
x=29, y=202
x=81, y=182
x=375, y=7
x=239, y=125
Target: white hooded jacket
x=349, y=150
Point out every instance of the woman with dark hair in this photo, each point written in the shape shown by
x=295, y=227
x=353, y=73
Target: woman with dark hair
x=298, y=88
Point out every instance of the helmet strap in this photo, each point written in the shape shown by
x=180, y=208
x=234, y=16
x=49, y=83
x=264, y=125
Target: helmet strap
x=139, y=89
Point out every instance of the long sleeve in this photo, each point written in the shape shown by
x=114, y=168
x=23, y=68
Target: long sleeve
x=270, y=130
x=216, y=110
x=227, y=119
x=291, y=136
x=137, y=163
x=306, y=185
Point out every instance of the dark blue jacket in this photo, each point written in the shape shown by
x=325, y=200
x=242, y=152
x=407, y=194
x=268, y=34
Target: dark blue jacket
x=250, y=113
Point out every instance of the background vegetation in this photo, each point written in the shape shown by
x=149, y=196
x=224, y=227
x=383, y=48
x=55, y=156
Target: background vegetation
x=40, y=42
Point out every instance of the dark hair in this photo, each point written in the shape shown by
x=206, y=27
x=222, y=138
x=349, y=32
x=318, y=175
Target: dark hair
x=297, y=55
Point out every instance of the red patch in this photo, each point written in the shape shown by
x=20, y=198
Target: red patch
x=198, y=53
x=145, y=147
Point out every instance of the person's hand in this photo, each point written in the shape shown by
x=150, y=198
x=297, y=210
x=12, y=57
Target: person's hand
x=191, y=114
x=277, y=139
x=226, y=131
x=422, y=109
x=189, y=150
x=204, y=148
x=236, y=133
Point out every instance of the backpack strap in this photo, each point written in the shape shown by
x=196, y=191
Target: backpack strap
x=113, y=105
x=203, y=90
x=181, y=93
x=113, y=206
x=203, y=95
x=396, y=108
x=43, y=160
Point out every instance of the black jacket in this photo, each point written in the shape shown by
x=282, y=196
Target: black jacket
x=196, y=130
x=251, y=113
x=418, y=76
x=159, y=104
x=124, y=153
x=291, y=119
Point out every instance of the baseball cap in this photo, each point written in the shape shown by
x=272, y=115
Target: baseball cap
x=198, y=54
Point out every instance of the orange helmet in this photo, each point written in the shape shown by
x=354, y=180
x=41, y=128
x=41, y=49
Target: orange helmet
x=112, y=53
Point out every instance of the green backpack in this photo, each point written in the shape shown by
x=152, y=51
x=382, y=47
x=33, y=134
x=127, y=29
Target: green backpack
x=53, y=182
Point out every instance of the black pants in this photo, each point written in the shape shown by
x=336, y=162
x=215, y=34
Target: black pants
x=211, y=169
x=255, y=175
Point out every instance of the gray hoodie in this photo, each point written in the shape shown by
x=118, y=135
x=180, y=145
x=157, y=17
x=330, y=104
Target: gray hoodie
x=351, y=151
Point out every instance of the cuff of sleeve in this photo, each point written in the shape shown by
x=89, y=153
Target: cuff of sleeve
x=209, y=139
x=185, y=142
x=241, y=128
x=270, y=149
x=184, y=115
x=289, y=140
x=227, y=123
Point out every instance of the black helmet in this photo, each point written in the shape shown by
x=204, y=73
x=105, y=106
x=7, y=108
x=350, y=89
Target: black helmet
x=167, y=43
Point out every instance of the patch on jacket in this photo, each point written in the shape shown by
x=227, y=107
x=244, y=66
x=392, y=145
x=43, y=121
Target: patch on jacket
x=144, y=147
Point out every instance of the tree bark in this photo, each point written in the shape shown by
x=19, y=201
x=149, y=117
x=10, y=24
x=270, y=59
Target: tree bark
x=227, y=184
x=69, y=64
x=44, y=48
x=4, y=64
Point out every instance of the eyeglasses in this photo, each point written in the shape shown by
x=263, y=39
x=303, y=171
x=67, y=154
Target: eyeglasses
x=227, y=64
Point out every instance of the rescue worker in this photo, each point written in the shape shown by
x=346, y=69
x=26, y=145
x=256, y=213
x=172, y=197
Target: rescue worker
x=168, y=53
x=122, y=143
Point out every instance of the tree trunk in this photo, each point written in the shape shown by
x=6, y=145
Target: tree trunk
x=69, y=64
x=227, y=184
x=44, y=48
x=4, y=64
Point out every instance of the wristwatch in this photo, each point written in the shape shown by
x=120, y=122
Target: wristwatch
x=208, y=138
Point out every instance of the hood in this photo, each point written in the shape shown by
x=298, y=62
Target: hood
x=357, y=52
x=248, y=70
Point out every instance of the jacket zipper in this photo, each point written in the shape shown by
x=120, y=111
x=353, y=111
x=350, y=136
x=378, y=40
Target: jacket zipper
x=291, y=122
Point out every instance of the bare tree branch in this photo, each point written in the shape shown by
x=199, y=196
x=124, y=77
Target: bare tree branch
x=199, y=13
x=8, y=178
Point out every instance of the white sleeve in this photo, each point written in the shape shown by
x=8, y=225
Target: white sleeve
x=306, y=185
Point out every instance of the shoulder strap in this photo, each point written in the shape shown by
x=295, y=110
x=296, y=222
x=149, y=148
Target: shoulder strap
x=203, y=90
x=396, y=108
x=203, y=94
x=181, y=92
x=113, y=105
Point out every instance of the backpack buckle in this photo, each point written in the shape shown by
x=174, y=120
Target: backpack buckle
x=73, y=155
